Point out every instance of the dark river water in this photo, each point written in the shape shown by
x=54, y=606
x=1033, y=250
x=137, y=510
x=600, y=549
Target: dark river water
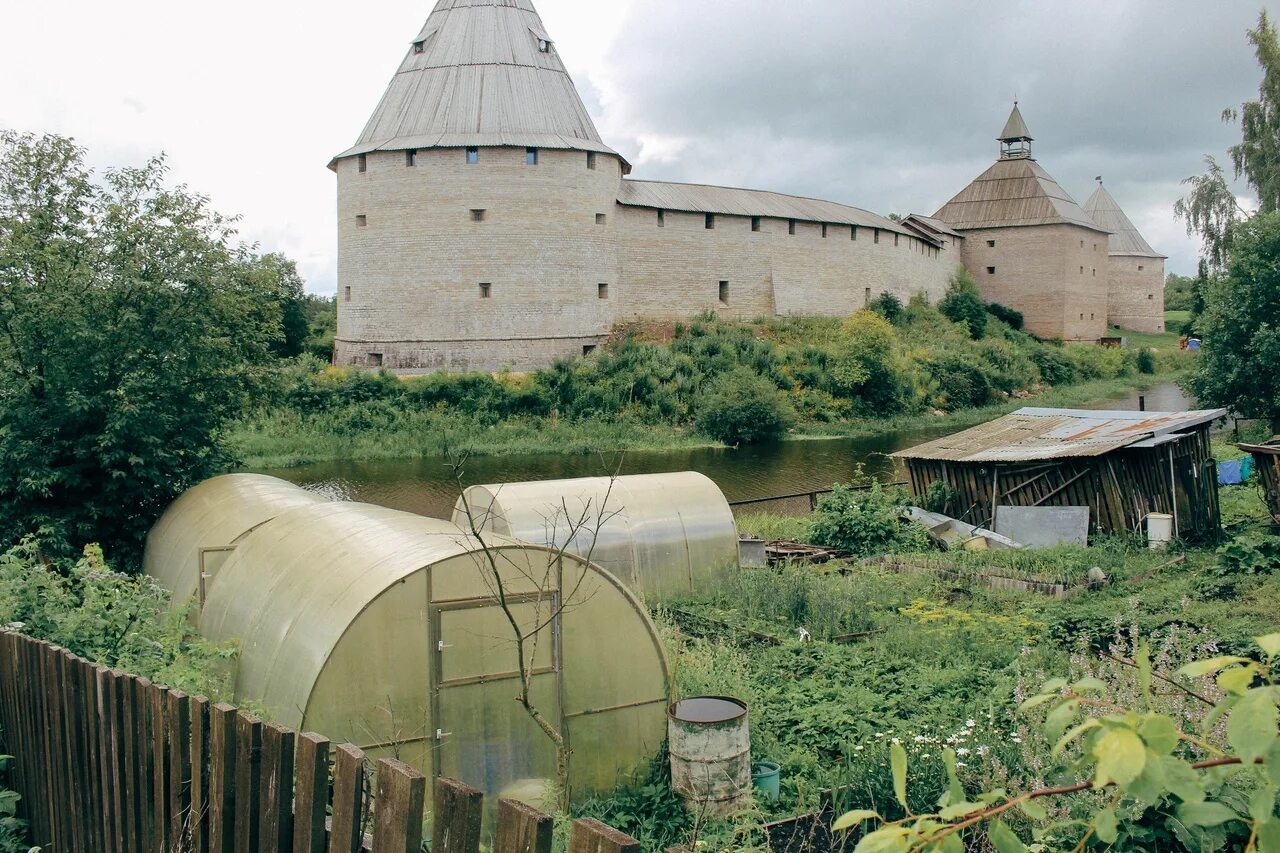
x=425, y=486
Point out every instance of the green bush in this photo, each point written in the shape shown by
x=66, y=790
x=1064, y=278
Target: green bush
x=1013, y=319
x=1145, y=361
x=867, y=523
x=963, y=304
x=888, y=306
x=743, y=408
x=1251, y=554
x=962, y=381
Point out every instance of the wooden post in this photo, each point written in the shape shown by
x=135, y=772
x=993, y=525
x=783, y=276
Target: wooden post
x=311, y=793
x=200, y=749
x=248, y=781
x=522, y=829
x=160, y=769
x=348, y=801
x=145, y=741
x=222, y=778
x=402, y=795
x=456, y=818
x=592, y=836
x=178, y=720
x=276, y=830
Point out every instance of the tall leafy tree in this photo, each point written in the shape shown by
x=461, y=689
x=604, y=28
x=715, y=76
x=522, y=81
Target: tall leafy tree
x=132, y=327
x=1211, y=208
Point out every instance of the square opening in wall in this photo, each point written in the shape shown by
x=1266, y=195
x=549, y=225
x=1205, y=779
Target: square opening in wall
x=361, y=220
x=877, y=237
x=588, y=349
x=853, y=232
x=991, y=270
x=591, y=160
x=478, y=214
x=1151, y=297
x=866, y=297
x=824, y=230
x=755, y=223
x=411, y=157
x=991, y=244
x=362, y=162
x=486, y=290
x=602, y=290
x=473, y=156
x=724, y=293
x=602, y=219
x=1141, y=268
x=791, y=226
x=711, y=221
x=419, y=47
x=895, y=238
x=375, y=359
x=662, y=219
x=531, y=156
x=346, y=293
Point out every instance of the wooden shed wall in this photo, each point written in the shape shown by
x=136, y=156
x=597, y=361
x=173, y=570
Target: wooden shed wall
x=1121, y=488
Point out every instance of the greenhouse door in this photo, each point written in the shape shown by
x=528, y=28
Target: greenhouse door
x=484, y=737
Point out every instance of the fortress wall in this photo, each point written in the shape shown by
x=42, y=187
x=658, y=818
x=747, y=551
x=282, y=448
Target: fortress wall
x=1038, y=272
x=673, y=271
x=1136, y=293
x=415, y=268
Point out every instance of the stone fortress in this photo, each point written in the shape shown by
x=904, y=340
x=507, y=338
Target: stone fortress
x=483, y=224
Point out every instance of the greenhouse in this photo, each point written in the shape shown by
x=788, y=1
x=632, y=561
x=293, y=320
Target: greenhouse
x=190, y=542
x=383, y=628
x=663, y=534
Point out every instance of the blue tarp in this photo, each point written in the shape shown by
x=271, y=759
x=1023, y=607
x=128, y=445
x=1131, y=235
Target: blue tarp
x=1235, y=471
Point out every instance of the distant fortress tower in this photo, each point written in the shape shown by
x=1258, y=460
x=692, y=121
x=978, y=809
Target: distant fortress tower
x=482, y=222
x=1030, y=246
x=1135, y=272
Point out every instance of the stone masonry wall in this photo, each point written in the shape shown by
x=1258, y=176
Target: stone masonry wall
x=1056, y=275
x=1136, y=293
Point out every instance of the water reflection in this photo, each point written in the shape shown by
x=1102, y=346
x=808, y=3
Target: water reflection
x=426, y=486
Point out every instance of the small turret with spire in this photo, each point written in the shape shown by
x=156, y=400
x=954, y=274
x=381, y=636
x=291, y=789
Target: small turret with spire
x=1015, y=139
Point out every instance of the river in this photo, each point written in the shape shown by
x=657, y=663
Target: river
x=425, y=486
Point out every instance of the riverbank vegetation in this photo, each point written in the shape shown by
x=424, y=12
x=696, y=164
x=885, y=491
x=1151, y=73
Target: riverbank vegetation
x=704, y=382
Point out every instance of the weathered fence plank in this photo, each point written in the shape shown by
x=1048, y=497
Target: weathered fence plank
x=131, y=698
x=402, y=792
x=592, y=836
x=522, y=829
x=145, y=738
x=200, y=775
x=248, y=781
x=456, y=818
x=346, y=833
x=160, y=839
x=178, y=723
x=276, y=830
x=222, y=778
x=310, y=793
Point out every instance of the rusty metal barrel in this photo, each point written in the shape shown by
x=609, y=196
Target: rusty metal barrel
x=710, y=745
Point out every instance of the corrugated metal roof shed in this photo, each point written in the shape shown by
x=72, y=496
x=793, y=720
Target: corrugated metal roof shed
x=701, y=198
x=476, y=76
x=1014, y=192
x=1032, y=434
x=1125, y=237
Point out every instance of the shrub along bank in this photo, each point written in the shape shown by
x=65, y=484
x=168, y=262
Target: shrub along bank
x=704, y=382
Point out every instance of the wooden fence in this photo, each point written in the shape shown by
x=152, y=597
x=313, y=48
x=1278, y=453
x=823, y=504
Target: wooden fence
x=108, y=762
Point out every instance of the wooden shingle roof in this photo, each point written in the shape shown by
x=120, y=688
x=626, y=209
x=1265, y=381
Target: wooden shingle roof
x=1125, y=237
x=1014, y=192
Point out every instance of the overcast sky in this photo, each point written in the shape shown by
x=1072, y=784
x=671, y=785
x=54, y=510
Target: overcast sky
x=890, y=105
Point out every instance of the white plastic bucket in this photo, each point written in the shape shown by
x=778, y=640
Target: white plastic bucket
x=1159, y=531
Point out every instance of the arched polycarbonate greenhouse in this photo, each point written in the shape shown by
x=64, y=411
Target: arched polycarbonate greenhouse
x=663, y=534
x=384, y=629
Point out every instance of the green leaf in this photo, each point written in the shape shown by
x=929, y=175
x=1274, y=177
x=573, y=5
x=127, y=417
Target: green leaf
x=1237, y=680
x=1060, y=718
x=898, y=758
x=1121, y=757
x=1090, y=685
x=1037, y=701
x=959, y=810
x=851, y=819
x=891, y=839
x=955, y=791
x=1262, y=805
x=1091, y=723
x=1202, y=668
x=1033, y=810
x=1004, y=839
x=1251, y=729
x=1211, y=719
x=949, y=844
x=1150, y=787
x=1205, y=814
x=1182, y=780
x=1160, y=734
x=1269, y=837
x=1053, y=685
x=1269, y=644
x=1273, y=764
x=1106, y=825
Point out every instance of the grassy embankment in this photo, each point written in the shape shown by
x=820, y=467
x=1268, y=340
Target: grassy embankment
x=643, y=391
x=937, y=662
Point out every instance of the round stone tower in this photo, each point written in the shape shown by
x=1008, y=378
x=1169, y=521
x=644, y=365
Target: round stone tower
x=476, y=213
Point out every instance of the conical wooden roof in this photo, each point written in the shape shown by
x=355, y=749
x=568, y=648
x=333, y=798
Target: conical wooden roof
x=480, y=73
x=1125, y=238
x=1012, y=193
x=1015, y=128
